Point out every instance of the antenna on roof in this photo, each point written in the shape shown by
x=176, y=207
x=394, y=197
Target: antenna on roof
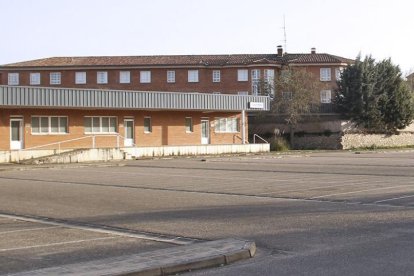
x=284, y=33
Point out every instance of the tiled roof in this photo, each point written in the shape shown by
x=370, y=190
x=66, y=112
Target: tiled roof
x=178, y=60
x=314, y=58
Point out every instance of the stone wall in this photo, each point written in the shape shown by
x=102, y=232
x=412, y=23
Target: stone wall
x=354, y=141
x=350, y=141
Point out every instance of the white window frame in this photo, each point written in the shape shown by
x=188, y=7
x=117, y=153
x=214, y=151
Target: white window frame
x=243, y=93
x=55, y=78
x=189, y=128
x=124, y=77
x=269, y=77
x=326, y=96
x=325, y=74
x=192, y=75
x=35, y=78
x=242, y=75
x=80, y=77
x=101, y=127
x=49, y=125
x=145, y=76
x=102, y=77
x=216, y=76
x=170, y=76
x=13, y=79
x=148, y=129
x=255, y=75
x=226, y=125
x=338, y=72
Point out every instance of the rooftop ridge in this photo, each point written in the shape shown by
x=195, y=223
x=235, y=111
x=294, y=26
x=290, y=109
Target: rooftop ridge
x=171, y=60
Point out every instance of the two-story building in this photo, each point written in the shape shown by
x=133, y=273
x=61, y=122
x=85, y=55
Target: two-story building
x=67, y=98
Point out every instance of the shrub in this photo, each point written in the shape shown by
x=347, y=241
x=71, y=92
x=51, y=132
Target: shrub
x=279, y=144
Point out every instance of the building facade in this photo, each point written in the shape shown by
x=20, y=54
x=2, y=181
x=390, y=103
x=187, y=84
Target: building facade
x=49, y=118
x=197, y=85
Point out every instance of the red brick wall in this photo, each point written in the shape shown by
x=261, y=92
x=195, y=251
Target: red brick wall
x=168, y=128
x=227, y=85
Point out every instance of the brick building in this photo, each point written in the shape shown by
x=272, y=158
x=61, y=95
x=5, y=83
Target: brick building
x=34, y=123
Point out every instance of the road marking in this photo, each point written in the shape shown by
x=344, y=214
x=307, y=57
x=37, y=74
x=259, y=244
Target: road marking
x=395, y=198
x=189, y=176
x=319, y=187
x=287, y=181
x=103, y=229
x=360, y=191
x=54, y=244
x=30, y=229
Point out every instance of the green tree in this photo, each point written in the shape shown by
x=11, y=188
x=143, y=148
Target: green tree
x=374, y=96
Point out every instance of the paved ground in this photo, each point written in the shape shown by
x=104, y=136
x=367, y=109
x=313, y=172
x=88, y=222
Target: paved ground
x=319, y=214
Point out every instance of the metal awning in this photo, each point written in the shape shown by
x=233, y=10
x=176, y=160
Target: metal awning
x=43, y=97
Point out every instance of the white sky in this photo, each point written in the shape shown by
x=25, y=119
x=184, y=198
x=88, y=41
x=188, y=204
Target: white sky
x=34, y=29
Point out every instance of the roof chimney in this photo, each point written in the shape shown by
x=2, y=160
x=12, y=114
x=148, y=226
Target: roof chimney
x=313, y=50
x=279, y=50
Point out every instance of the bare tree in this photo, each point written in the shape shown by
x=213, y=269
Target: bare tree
x=296, y=96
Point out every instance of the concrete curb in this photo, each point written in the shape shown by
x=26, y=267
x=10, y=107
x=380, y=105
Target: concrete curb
x=160, y=262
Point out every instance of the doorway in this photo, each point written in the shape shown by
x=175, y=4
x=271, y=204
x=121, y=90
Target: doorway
x=129, y=132
x=205, y=132
x=16, y=134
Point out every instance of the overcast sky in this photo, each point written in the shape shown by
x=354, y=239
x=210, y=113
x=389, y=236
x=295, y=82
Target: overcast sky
x=45, y=28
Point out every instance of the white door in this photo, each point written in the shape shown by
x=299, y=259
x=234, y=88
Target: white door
x=205, y=132
x=16, y=134
x=129, y=132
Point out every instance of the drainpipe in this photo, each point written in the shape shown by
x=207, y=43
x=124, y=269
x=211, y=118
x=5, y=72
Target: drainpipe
x=243, y=127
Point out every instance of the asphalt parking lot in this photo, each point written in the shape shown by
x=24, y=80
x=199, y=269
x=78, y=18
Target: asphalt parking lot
x=332, y=213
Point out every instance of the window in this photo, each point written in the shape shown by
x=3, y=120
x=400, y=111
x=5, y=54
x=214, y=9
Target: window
x=98, y=124
x=242, y=75
x=255, y=74
x=124, y=77
x=243, y=93
x=338, y=72
x=269, y=75
x=326, y=96
x=49, y=125
x=216, y=93
x=102, y=77
x=13, y=79
x=192, y=75
x=80, y=78
x=227, y=124
x=269, y=78
x=216, y=75
x=325, y=74
x=34, y=78
x=188, y=124
x=55, y=78
x=145, y=76
x=255, y=81
x=170, y=76
x=147, y=125
x=287, y=95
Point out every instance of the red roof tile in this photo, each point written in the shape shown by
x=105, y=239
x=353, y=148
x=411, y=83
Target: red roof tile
x=181, y=60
